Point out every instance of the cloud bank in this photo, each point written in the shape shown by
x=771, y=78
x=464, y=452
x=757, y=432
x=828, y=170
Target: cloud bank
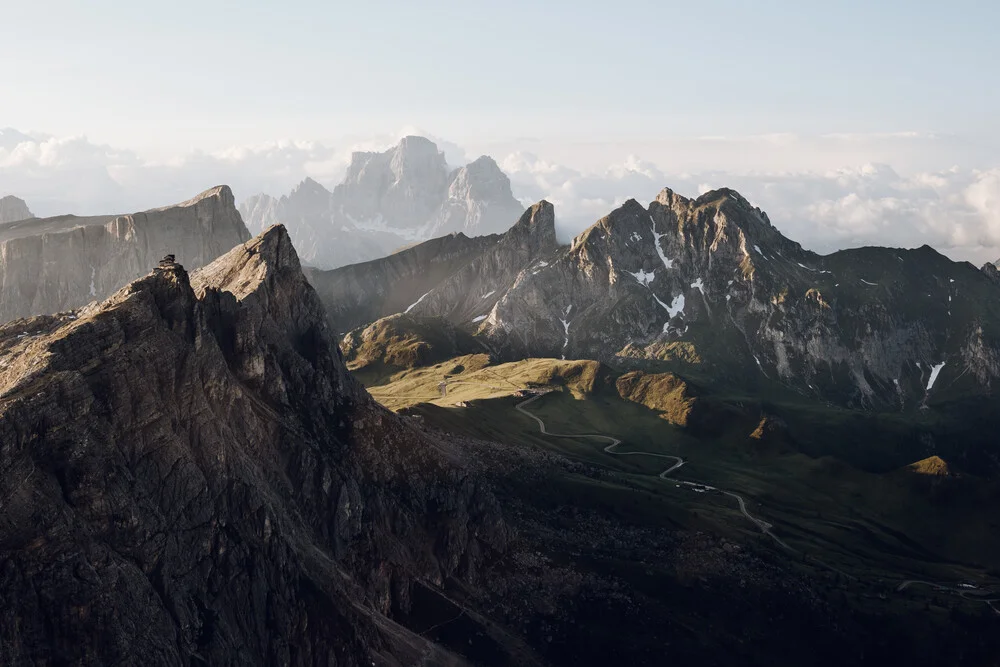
x=818, y=191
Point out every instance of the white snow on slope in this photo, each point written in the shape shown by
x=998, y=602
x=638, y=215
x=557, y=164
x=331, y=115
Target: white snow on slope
x=565, y=324
x=412, y=305
x=488, y=294
x=669, y=263
x=935, y=370
x=480, y=318
x=643, y=277
x=676, y=307
x=93, y=273
x=868, y=283
x=699, y=285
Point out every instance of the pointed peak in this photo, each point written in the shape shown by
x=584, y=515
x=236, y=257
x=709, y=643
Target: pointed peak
x=13, y=209
x=310, y=186
x=720, y=195
x=244, y=268
x=483, y=163
x=223, y=192
x=413, y=143
x=669, y=198
x=538, y=221
x=274, y=246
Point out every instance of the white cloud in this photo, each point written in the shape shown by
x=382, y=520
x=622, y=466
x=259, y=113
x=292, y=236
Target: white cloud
x=827, y=192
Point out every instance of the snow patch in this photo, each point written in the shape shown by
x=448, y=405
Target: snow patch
x=413, y=305
x=565, y=324
x=699, y=285
x=935, y=370
x=668, y=263
x=643, y=277
x=868, y=283
x=488, y=294
x=93, y=274
x=479, y=319
x=676, y=306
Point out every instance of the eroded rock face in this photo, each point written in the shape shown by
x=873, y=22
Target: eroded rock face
x=55, y=264
x=389, y=200
x=189, y=475
x=13, y=209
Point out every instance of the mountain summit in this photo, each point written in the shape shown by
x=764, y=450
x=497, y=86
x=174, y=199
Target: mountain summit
x=388, y=200
x=13, y=209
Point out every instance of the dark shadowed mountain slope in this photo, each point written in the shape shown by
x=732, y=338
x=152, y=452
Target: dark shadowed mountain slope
x=357, y=294
x=467, y=296
x=189, y=475
x=49, y=265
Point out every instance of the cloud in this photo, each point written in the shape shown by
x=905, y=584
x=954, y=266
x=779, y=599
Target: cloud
x=818, y=191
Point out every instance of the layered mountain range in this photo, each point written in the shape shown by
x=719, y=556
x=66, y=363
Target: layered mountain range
x=48, y=265
x=388, y=200
x=190, y=475
x=710, y=287
x=13, y=209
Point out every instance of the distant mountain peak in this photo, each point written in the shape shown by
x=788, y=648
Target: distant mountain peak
x=389, y=200
x=13, y=209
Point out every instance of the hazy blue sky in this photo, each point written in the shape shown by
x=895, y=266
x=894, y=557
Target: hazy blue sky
x=213, y=73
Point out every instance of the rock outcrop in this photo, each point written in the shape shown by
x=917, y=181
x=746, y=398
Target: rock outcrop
x=388, y=200
x=53, y=264
x=13, y=209
x=189, y=475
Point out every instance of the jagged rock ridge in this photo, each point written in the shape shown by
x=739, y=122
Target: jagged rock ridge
x=388, y=200
x=710, y=283
x=53, y=264
x=189, y=475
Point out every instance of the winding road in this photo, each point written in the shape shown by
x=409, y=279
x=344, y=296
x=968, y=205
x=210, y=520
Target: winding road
x=764, y=526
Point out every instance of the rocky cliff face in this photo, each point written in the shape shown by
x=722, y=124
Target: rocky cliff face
x=189, y=475
x=13, y=209
x=710, y=285
x=358, y=294
x=54, y=264
x=470, y=295
x=388, y=200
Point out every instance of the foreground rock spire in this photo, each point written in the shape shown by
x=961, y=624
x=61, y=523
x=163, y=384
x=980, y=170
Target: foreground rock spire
x=188, y=474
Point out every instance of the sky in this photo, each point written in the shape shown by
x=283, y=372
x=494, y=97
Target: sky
x=578, y=100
